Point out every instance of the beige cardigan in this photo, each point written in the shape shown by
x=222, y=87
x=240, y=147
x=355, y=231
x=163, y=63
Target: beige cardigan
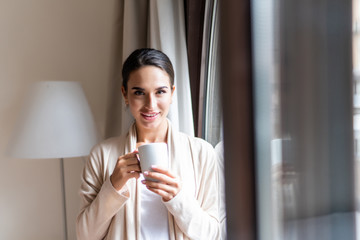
x=108, y=214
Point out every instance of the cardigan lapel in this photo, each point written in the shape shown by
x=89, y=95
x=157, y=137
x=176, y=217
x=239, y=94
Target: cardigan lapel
x=133, y=220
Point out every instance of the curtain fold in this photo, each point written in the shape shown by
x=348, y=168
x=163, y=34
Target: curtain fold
x=194, y=22
x=157, y=24
x=167, y=33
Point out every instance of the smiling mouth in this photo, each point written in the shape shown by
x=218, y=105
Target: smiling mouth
x=150, y=116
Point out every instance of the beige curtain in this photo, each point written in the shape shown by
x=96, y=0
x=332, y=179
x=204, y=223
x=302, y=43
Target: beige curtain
x=157, y=24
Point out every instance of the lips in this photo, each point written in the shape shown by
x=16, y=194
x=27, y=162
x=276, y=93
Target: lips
x=150, y=116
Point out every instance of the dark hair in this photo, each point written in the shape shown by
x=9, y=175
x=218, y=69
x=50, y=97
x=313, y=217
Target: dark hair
x=146, y=57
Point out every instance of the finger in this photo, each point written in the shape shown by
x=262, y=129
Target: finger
x=130, y=175
x=128, y=161
x=135, y=174
x=132, y=162
x=162, y=170
x=132, y=168
x=129, y=155
x=165, y=195
x=160, y=177
x=161, y=186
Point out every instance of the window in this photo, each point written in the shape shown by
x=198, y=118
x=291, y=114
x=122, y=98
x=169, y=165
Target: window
x=303, y=119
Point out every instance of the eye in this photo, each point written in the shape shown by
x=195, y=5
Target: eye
x=160, y=91
x=138, y=92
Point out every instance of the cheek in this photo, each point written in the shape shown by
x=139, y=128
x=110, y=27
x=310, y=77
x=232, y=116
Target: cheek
x=135, y=101
x=165, y=103
x=134, y=105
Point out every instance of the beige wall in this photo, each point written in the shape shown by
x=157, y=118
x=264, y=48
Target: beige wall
x=48, y=40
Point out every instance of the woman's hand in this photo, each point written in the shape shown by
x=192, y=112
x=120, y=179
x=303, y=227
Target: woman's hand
x=168, y=185
x=127, y=167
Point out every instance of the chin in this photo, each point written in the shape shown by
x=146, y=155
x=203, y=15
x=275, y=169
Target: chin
x=151, y=124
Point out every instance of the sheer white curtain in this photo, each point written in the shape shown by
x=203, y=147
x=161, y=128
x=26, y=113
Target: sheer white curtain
x=158, y=24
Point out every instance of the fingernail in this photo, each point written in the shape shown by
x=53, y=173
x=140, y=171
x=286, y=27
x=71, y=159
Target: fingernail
x=143, y=181
x=146, y=173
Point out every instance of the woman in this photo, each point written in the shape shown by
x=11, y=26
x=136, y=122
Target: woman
x=117, y=202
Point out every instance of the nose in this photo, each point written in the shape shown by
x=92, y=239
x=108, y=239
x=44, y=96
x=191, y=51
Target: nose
x=151, y=101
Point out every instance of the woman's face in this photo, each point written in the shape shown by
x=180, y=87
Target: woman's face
x=149, y=96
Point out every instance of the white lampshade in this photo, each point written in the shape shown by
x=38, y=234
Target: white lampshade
x=57, y=123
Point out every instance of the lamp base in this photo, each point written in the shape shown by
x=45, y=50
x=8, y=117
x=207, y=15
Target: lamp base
x=64, y=197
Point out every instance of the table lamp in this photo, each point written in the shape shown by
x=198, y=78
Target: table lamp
x=56, y=122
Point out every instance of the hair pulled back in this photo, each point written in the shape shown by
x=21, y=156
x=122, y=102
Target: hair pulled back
x=146, y=57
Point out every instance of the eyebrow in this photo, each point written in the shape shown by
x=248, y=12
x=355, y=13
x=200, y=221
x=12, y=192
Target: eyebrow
x=142, y=89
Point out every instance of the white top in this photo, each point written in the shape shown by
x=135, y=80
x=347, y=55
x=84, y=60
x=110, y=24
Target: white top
x=154, y=216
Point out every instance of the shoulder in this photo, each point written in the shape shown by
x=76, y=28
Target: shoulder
x=112, y=142
x=104, y=154
x=200, y=153
x=108, y=148
x=196, y=144
x=109, y=144
x=194, y=140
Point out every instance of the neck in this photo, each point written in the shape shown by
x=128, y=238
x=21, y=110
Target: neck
x=158, y=134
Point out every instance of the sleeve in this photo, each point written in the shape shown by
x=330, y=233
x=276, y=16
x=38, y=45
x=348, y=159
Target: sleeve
x=197, y=216
x=99, y=200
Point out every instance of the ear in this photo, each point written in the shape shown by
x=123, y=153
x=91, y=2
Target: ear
x=124, y=93
x=172, y=92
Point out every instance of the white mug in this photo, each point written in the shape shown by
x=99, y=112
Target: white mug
x=153, y=154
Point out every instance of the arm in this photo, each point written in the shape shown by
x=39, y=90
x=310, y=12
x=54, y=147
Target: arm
x=100, y=200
